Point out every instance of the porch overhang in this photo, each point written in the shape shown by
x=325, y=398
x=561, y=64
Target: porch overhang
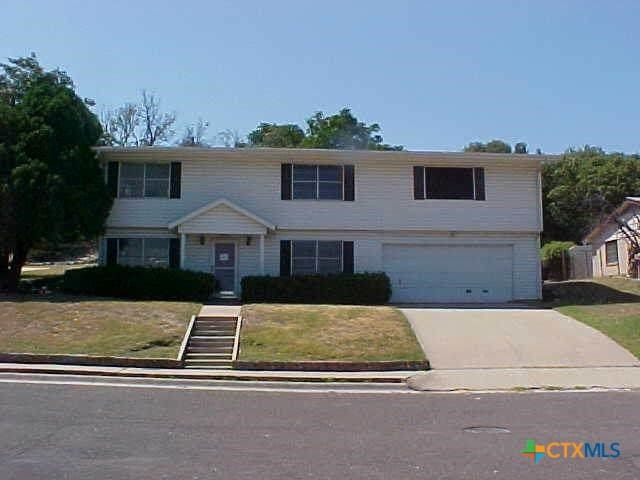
x=222, y=217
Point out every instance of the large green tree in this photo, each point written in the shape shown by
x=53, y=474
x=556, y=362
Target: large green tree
x=341, y=131
x=496, y=146
x=583, y=187
x=51, y=185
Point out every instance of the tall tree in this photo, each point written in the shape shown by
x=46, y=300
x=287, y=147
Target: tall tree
x=194, y=135
x=583, y=187
x=158, y=126
x=138, y=124
x=273, y=135
x=341, y=131
x=51, y=184
x=494, y=146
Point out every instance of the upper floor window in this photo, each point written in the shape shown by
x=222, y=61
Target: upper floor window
x=321, y=182
x=138, y=180
x=144, y=180
x=611, y=252
x=448, y=183
x=318, y=182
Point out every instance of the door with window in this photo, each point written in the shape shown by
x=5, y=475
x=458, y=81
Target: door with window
x=224, y=267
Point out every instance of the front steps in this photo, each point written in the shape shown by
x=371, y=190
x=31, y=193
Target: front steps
x=212, y=341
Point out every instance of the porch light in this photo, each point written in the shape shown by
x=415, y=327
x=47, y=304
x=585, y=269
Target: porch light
x=248, y=241
x=201, y=239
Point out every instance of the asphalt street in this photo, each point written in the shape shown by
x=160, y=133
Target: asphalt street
x=99, y=429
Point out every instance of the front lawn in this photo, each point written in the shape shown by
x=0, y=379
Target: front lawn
x=321, y=332
x=611, y=305
x=92, y=326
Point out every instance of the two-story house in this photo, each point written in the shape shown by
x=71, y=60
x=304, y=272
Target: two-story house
x=445, y=227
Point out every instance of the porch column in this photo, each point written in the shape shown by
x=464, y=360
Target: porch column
x=183, y=248
x=261, y=246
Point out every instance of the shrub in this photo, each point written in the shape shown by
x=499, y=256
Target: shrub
x=355, y=289
x=140, y=283
x=555, y=250
x=552, y=254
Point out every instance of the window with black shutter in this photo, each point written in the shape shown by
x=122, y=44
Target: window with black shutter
x=448, y=183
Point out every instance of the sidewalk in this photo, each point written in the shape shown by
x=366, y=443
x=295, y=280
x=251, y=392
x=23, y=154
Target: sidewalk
x=504, y=379
x=374, y=377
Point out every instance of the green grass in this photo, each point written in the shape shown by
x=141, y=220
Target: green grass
x=324, y=332
x=92, y=326
x=611, y=305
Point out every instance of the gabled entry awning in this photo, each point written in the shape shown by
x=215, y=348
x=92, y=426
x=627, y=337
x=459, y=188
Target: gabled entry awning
x=222, y=217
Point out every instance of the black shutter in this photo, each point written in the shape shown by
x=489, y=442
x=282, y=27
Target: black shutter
x=174, y=253
x=347, y=257
x=112, y=178
x=418, y=183
x=112, y=251
x=349, y=184
x=285, y=258
x=478, y=175
x=176, y=180
x=286, y=171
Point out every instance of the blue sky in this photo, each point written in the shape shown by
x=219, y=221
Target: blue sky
x=435, y=75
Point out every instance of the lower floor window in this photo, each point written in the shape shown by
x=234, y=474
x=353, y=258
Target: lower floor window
x=611, y=251
x=316, y=256
x=152, y=252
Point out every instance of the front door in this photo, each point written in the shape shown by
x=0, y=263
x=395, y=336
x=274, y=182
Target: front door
x=225, y=266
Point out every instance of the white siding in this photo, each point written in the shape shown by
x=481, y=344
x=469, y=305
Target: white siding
x=384, y=193
x=368, y=252
x=222, y=219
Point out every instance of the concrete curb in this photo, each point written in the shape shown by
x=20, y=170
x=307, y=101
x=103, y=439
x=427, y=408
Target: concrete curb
x=331, y=366
x=202, y=374
x=89, y=360
x=524, y=379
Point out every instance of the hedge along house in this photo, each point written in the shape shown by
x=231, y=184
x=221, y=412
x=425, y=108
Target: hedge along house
x=445, y=227
x=612, y=242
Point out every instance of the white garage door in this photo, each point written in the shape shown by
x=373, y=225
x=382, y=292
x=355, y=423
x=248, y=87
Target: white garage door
x=449, y=273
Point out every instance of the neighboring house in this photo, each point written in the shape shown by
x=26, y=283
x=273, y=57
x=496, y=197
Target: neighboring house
x=611, y=248
x=445, y=227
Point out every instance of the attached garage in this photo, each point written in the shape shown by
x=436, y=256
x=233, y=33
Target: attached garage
x=449, y=273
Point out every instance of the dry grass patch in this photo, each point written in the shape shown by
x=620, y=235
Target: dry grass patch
x=326, y=332
x=93, y=326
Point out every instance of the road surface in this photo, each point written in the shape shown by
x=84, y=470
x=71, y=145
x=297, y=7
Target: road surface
x=87, y=428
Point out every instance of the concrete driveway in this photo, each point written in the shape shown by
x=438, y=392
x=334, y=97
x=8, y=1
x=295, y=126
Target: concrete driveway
x=511, y=338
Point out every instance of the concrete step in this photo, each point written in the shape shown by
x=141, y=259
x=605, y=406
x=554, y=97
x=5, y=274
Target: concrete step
x=208, y=361
x=228, y=349
x=217, y=320
x=211, y=367
x=209, y=339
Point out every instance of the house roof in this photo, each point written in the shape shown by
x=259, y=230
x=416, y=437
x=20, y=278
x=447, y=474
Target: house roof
x=626, y=205
x=278, y=153
x=228, y=203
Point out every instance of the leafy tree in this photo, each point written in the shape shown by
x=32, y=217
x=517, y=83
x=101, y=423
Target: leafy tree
x=274, y=135
x=51, y=184
x=341, y=131
x=583, y=187
x=520, y=147
x=494, y=146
